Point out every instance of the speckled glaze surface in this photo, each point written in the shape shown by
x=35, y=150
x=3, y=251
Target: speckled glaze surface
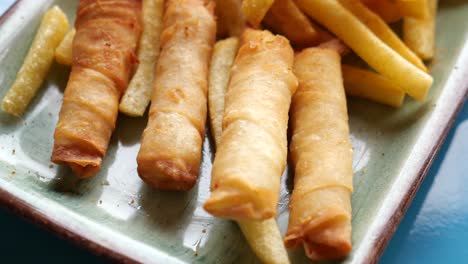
x=115, y=214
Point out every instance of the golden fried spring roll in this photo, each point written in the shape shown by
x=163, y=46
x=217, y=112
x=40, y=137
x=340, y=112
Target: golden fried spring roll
x=170, y=152
x=285, y=18
x=321, y=153
x=107, y=34
x=264, y=237
x=251, y=157
x=229, y=18
x=419, y=34
x=336, y=45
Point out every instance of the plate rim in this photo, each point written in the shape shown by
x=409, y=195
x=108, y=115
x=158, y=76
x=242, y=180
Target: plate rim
x=27, y=211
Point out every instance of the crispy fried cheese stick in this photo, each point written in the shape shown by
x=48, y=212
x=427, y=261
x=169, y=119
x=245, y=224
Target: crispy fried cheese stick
x=107, y=34
x=252, y=154
x=263, y=237
x=170, y=153
x=321, y=154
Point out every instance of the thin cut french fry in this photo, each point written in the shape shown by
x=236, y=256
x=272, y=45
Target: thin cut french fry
x=107, y=34
x=230, y=19
x=382, y=30
x=138, y=94
x=285, y=18
x=63, y=53
x=37, y=63
x=368, y=46
x=413, y=8
x=419, y=34
x=372, y=86
x=224, y=54
x=263, y=237
x=255, y=10
x=387, y=9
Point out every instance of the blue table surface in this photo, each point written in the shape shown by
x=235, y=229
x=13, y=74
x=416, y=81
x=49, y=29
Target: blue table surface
x=434, y=230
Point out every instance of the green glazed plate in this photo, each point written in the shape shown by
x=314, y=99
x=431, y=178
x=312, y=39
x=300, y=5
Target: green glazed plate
x=115, y=214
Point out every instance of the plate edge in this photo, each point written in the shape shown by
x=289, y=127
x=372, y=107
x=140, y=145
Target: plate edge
x=386, y=233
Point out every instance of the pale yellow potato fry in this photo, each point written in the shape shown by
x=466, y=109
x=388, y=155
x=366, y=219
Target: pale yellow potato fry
x=368, y=46
x=36, y=65
x=265, y=240
x=255, y=10
x=387, y=9
x=138, y=94
x=382, y=30
x=372, y=86
x=263, y=237
x=419, y=34
x=224, y=54
x=413, y=8
x=63, y=53
x=285, y=18
x=230, y=19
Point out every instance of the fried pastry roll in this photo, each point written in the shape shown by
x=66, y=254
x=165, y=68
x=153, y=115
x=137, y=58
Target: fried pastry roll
x=170, y=152
x=107, y=34
x=321, y=154
x=252, y=154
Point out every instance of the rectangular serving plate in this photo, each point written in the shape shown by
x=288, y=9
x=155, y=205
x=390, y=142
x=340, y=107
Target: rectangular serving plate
x=116, y=215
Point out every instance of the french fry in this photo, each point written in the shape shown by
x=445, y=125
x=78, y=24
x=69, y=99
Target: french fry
x=63, y=53
x=224, y=54
x=255, y=10
x=263, y=237
x=383, y=31
x=230, y=18
x=138, y=94
x=419, y=34
x=368, y=46
x=387, y=9
x=285, y=18
x=413, y=8
x=36, y=65
x=372, y=86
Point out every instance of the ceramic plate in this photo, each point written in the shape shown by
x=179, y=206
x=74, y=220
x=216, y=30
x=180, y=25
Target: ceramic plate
x=115, y=214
